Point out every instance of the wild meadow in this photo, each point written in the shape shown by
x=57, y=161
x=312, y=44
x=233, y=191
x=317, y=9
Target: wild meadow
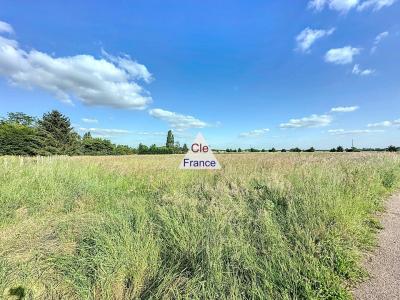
x=265, y=226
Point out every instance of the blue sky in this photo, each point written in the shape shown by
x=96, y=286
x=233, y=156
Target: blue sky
x=267, y=74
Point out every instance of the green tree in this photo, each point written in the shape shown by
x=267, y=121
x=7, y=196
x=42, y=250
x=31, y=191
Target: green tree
x=56, y=130
x=17, y=139
x=143, y=149
x=185, y=148
x=20, y=118
x=87, y=135
x=97, y=146
x=170, y=139
x=391, y=148
x=339, y=149
x=123, y=150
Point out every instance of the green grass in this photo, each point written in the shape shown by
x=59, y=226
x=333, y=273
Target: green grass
x=266, y=226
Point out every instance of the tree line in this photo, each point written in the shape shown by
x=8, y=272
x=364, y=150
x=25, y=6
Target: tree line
x=311, y=149
x=53, y=134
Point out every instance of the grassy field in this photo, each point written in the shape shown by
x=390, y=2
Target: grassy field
x=266, y=226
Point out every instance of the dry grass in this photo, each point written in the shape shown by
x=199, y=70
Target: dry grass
x=268, y=225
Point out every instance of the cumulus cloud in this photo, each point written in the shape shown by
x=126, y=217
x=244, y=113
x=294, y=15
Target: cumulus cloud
x=177, y=121
x=308, y=36
x=132, y=67
x=111, y=81
x=344, y=108
x=254, y=133
x=6, y=28
x=341, y=56
x=89, y=120
x=308, y=122
x=352, y=132
x=378, y=39
x=344, y=6
x=362, y=72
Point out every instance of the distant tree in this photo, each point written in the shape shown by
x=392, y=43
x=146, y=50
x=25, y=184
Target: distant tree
x=352, y=149
x=21, y=134
x=185, y=148
x=239, y=150
x=153, y=149
x=170, y=139
x=143, y=149
x=339, y=149
x=283, y=150
x=97, y=146
x=296, y=149
x=333, y=150
x=56, y=130
x=20, y=118
x=123, y=150
x=87, y=135
x=391, y=148
x=310, y=150
x=17, y=139
x=272, y=149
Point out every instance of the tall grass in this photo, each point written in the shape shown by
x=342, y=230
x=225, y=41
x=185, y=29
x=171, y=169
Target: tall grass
x=266, y=226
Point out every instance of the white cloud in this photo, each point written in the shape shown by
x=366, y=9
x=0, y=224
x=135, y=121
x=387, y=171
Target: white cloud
x=352, y=132
x=151, y=133
x=89, y=120
x=308, y=36
x=307, y=122
x=103, y=132
x=344, y=108
x=341, y=56
x=378, y=39
x=381, y=124
x=177, y=121
x=134, y=69
x=357, y=71
x=344, y=6
x=317, y=5
x=375, y=4
x=254, y=133
x=97, y=82
x=5, y=27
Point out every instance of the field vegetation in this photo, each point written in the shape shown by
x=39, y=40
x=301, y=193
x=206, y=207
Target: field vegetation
x=265, y=226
